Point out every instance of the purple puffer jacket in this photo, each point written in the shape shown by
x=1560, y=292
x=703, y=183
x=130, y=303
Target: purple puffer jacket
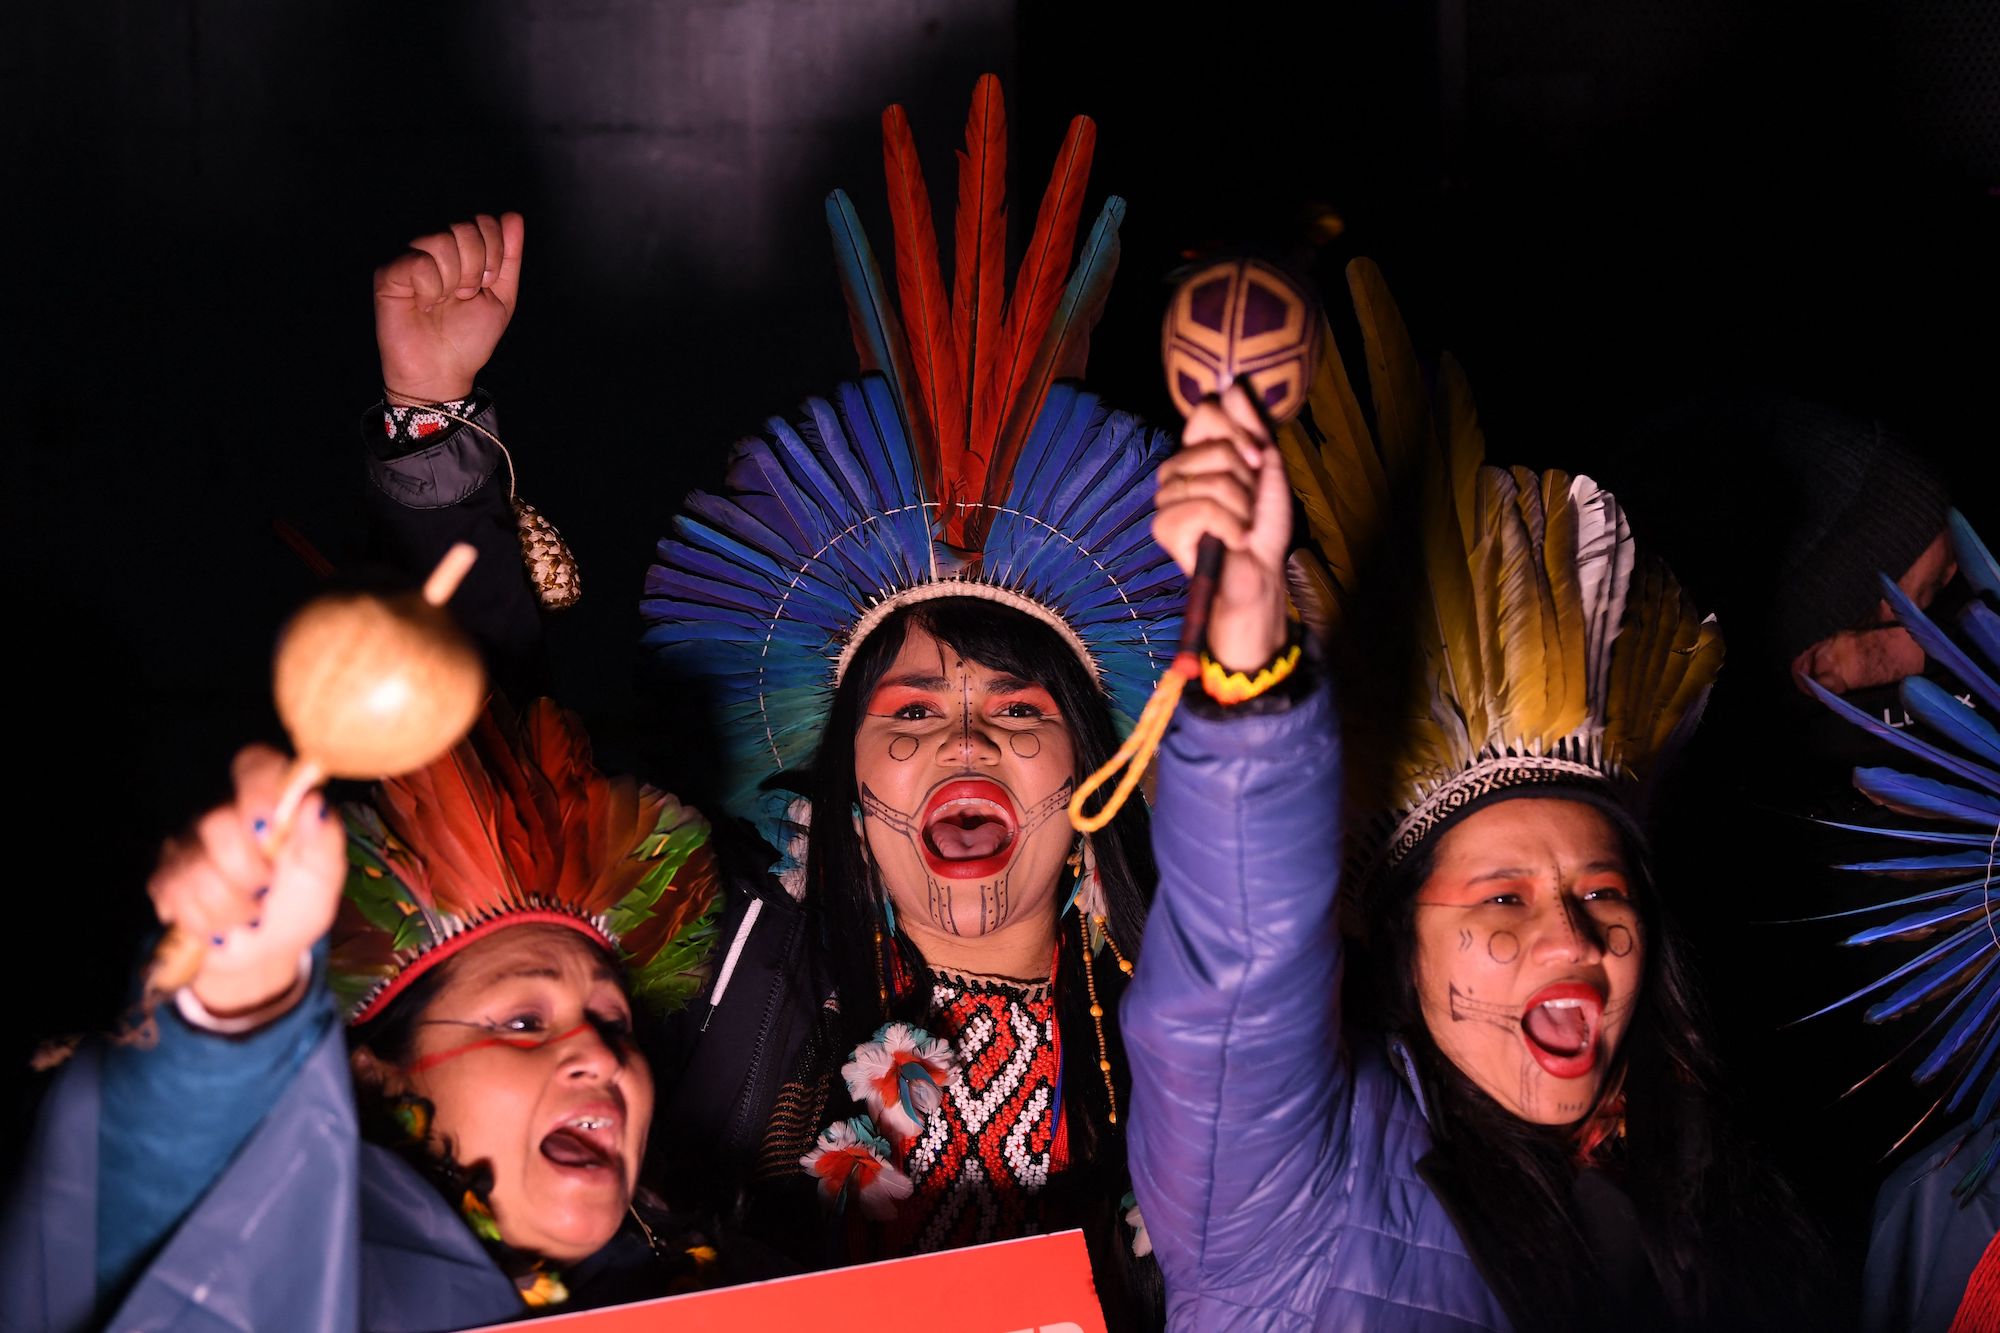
x=1275, y=1162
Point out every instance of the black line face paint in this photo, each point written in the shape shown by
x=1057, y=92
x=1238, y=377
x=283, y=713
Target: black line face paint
x=995, y=899
x=1530, y=902
x=938, y=736
x=1465, y=1009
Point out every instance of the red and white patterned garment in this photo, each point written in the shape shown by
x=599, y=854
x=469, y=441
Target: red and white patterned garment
x=993, y=1143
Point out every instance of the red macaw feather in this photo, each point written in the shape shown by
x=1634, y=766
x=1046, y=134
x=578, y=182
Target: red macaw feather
x=1032, y=314
x=978, y=297
x=519, y=808
x=1038, y=285
x=938, y=394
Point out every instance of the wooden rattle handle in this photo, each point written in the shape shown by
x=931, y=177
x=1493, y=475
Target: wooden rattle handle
x=341, y=657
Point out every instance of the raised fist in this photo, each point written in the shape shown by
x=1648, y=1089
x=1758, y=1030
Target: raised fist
x=441, y=307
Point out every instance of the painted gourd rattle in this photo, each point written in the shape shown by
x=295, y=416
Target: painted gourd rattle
x=1238, y=319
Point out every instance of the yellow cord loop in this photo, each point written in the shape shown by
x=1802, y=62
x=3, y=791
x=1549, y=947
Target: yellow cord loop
x=1137, y=751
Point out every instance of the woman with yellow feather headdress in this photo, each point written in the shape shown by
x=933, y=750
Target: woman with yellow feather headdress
x=1512, y=1121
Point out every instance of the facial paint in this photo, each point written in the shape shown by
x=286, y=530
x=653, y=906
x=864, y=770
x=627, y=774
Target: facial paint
x=520, y=1041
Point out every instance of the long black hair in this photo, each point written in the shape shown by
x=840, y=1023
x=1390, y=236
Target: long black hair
x=1723, y=1236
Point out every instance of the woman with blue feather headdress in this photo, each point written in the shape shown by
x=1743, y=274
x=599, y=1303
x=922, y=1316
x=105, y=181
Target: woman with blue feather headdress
x=921, y=611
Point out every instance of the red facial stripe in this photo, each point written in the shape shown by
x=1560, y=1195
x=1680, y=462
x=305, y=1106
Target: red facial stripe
x=522, y=1041
x=892, y=698
x=1032, y=695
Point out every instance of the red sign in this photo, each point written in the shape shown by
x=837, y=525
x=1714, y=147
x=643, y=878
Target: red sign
x=1039, y=1284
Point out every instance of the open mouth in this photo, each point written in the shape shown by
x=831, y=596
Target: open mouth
x=1561, y=1025
x=969, y=828
x=586, y=1140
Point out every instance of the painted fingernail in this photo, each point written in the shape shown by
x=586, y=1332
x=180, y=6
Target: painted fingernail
x=259, y=825
x=325, y=810
x=257, y=923
x=262, y=893
x=215, y=940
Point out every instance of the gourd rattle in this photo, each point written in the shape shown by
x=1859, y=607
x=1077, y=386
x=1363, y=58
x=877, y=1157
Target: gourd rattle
x=367, y=687
x=1239, y=319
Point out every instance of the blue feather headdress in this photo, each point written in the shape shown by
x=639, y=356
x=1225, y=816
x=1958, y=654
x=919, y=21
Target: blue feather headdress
x=1959, y=972
x=961, y=464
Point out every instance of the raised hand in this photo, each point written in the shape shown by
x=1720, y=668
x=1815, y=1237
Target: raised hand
x=441, y=307
x=1228, y=481
x=258, y=912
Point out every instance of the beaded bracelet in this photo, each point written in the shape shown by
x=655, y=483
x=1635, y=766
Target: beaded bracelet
x=1234, y=687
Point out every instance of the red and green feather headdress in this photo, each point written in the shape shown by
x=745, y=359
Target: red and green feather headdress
x=516, y=826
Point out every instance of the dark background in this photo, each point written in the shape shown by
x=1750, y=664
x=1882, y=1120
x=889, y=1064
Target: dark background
x=1602, y=208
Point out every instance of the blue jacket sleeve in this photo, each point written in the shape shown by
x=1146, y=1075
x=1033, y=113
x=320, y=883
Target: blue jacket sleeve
x=1232, y=1023
x=174, y=1115
x=273, y=1241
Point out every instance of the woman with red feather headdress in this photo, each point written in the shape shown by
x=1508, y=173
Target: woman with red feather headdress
x=418, y=1103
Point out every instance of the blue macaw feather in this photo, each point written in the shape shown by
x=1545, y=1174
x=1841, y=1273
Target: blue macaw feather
x=809, y=476
x=1927, y=896
x=1969, y=1080
x=1917, y=964
x=1939, y=967
x=1954, y=721
x=1981, y=996
x=1980, y=624
x=830, y=442
x=1975, y=563
x=1901, y=738
x=1940, y=837
x=879, y=427
x=1937, y=645
x=1923, y=922
x=878, y=331
x=1913, y=795
x=1050, y=449
x=1973, y=858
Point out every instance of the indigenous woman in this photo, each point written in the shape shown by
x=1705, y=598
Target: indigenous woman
x=918, y=613
x=918, y=616
x=472, y=1151
x=1510, y=1119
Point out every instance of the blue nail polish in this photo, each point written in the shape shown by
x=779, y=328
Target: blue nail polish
x=262, y=893
x=215, y=940
x=325, y=811
x=257, y=924
x=259, y=825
